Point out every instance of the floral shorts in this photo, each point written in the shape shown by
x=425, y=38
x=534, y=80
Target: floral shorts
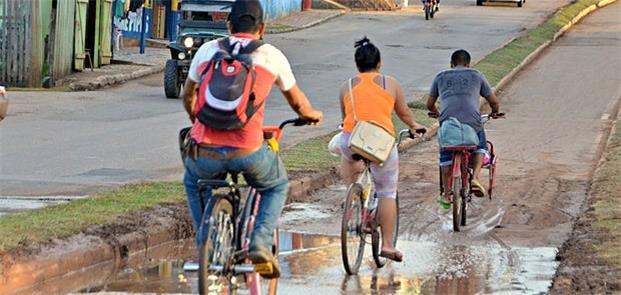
x=385, y=177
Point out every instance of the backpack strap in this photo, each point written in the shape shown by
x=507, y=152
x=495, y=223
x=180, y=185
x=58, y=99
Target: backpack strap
x=251, y=47
x=225, y=44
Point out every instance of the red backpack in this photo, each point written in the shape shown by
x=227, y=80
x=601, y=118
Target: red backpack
x=226, y=99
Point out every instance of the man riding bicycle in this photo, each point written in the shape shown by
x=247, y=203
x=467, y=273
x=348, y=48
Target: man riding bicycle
x=459, y=89
x=244, y=69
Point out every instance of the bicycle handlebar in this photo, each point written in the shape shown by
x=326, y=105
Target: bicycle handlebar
x=484, y=117
x=294, y=122
x=409, y=134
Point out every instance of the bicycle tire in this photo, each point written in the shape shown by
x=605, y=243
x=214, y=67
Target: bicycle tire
x=376, y=241
x=353, y=208
x=218, y=214
x=457, y=202
x=243, y=234
x=464, y=203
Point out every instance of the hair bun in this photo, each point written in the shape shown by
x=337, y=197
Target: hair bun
x=362, y=42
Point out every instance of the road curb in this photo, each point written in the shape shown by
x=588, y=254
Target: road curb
x=66, y=262
x=110, y=80
x=312, y=24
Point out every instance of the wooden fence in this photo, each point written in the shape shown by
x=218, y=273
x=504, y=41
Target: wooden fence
x=16, y=66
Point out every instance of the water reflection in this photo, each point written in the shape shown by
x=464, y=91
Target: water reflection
x=311, y=264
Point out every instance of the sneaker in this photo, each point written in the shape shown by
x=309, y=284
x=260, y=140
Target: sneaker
x=265, y=263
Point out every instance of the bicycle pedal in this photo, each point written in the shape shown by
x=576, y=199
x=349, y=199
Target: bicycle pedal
x=264, y=268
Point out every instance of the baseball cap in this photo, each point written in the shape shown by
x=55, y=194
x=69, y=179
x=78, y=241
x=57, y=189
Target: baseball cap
x=244, y=10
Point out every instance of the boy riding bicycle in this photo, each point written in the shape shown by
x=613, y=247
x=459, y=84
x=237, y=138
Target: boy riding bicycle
x=228, y=83
x=459, y=89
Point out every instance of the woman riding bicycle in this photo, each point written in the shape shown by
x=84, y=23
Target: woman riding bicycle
x=376, y=97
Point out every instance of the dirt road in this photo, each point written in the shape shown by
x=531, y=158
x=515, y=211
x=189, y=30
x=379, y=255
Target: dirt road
x=558, y=113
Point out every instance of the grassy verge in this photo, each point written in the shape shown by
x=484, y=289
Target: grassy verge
x=606, y=188
x=70, y=218
x=499, y=63
x=278, y=27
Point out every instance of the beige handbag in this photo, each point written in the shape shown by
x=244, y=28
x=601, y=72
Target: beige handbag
x=368, y=138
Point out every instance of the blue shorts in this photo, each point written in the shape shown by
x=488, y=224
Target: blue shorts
x=446, y=158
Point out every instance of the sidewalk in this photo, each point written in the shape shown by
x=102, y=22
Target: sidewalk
x=129, y=64
x=302, y=20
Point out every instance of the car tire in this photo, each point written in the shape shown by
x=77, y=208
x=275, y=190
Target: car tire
x=519, y=3
x=479, y=2
x=172, y=86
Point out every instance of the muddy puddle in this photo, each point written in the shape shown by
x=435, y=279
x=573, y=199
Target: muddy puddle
x=10, y=205
x=311, y=264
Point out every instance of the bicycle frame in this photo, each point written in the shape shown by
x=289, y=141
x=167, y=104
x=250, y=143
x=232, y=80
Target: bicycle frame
x=243, y=219
x=460, y=167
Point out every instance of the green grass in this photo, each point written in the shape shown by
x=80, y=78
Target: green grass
x=66, y=219
x=278, y=27
x=499, y=63
x=606, y=187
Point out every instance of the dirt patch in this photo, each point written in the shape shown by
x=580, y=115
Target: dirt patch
x=590, y=259
x=582, y=271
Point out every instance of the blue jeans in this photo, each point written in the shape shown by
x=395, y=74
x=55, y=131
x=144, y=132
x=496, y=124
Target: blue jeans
x=446, y=157
x=262, y=169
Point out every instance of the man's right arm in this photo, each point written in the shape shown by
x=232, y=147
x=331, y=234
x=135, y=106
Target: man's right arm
x=300, y=104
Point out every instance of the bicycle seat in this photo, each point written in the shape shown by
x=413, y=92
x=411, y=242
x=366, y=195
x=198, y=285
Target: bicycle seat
x=460, y=148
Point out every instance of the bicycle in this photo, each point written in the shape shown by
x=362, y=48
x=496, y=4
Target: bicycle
x=430, y=7
x=359, y=210
x=462, y=173
x=225, y=231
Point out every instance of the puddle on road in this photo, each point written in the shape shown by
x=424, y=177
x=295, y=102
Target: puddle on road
x=312, y=263
x=10, y=205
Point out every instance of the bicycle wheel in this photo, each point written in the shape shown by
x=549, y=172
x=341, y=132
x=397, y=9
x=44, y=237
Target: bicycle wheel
x=352, y=236
x=215, y=250
x=376, y=241
x=465, y=196
x=457, y=202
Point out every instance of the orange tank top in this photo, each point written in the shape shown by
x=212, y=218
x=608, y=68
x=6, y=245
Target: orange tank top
x=372, y=103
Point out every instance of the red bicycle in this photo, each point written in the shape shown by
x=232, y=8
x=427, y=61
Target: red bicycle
x=462, y=171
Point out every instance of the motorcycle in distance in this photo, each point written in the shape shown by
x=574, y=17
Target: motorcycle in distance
x=430, y=7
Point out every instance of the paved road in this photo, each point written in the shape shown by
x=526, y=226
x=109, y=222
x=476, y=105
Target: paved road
x=73, y=143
